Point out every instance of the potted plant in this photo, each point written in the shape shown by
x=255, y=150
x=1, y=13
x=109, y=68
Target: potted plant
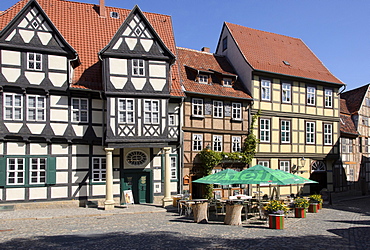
x=276, y=210
x=300, y=206
x=315, y=201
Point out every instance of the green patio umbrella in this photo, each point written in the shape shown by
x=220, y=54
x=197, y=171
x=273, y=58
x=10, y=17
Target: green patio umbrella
x=296, y=179
x=220, y=178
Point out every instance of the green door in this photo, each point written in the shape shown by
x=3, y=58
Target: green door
x=139, y=183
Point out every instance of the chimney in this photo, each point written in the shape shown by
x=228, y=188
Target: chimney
x=102, y=12
x=206, y=49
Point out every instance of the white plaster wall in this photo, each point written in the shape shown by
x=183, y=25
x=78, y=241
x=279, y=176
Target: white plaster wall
x=157, y=174
x=13, y=127
x=77, y=177
x=83, y=191
x=157, y=70
x=1, y=149
x=116, y=188
x=62, y=177
x=79, y=129
x=59, y=101
x=58, y=115
x=38, y=193
x=97, y=104
x=157, y=187
x=62, y=163
x=80, y=162
x=15, y=194
x=16, y=148
x=58, y=128
x=58, y=79
x=36, y=129
x=80, y=149
x=59, y=192
x=11, y=57
x=118, y=66
x=61, y=149
x=99, y=150
x=57, y=62
x=38, y=148
x=98, y=131
x=98, y=190
x=35, y=77
x=97, y=117
x=11, y=75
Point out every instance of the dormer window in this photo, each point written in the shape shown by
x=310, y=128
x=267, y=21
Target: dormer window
x=203, y=79
x=227, y=82
x=114, y=14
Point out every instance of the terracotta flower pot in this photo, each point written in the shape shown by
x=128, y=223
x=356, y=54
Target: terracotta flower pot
x=276, y=221
x=300, y=212
x=313, y=208
x=319, y=206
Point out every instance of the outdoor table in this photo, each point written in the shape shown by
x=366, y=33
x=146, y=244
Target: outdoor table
x=233, y=213
x=200, y=210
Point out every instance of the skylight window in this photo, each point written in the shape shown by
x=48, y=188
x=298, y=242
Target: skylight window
x=114, y=14
x=286, y=63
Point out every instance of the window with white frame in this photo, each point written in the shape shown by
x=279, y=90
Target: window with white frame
x=311, y=95
x=15, y=171
x=367, y=141
x=328, y=98
x=310, y=132
x=285, y=166
x=13, y=107
x=197, y=142
x=264, y=163
x=328, y=134
x=197, y=107
x=285, y=131
x=286, y=93
x=98, y=169
x=172, y=120
x=173, y=167
x=138, y=67
x=80, y=109
x=126, y=111
x=35, y=108
x=217, y=143
x=218, y=108
x=38, y=170
x=264, y=130
x=236, y=143
x=151, y=112
x=265, y=90
x=236, y=111
x=203, y=79
x=34, y=61
x=227, y=82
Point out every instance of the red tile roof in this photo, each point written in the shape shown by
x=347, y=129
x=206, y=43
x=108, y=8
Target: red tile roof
x=346, y=123
x=207, y=62
x=354, y=98
x=88, y=33
x=267, y=51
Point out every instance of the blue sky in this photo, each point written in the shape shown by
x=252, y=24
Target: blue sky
x=335, y=30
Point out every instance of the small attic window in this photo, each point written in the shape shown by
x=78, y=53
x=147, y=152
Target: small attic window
x=114, y=14
x=35, y=24
x=203, y=79
x=286, y=63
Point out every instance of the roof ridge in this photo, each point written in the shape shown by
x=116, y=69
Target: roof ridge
x=268, y=32
x=198, y=51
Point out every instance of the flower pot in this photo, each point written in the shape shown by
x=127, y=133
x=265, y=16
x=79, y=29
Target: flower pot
x=319, y=206
x=276, y=221
x=313, y=208
x=300, y=212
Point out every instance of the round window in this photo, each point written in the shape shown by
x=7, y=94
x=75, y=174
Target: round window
x=136, y=158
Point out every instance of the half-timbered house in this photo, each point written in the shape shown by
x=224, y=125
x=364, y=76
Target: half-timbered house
x=90, y=100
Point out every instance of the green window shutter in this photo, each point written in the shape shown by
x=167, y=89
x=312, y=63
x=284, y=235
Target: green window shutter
x=2, y=171
x=51, y=171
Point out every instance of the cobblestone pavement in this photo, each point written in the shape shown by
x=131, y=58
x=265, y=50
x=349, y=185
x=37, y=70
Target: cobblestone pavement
x=345, y=225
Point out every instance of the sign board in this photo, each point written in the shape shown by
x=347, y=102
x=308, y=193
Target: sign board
x=128, y=198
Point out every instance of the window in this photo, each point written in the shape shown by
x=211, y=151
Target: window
x=13, y=107
x=285, y=131
x=28, y=170
x=15, y=171
x=285, y=166
x=236, y=144
x=197, y=142
x=151, y=111
x=365, y=121
x=34, y=61
x=203, y=79
x=38, y=171
x=224, y=44
x=35, y=108
x=136, y=158
x=227, y=82
x=236, y=111
x=138, y=67
x=79, y=109
x=172, y=120
x=217, y=143
x=264, y=163
x=328, y=134
x=197, y=107
x=286, y=93
x=310, y=133
x=311, y=93
x=367, y=141
x=98, y=169
x=173, y=167
x=367, y=101
x=266, y=90
x=114, y=14
x=265, y=130
x=126, y=111
x=218, y=108
x=328, y=98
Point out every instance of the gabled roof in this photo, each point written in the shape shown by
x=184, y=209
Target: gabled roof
x=347, y=127
x=355, y=97
x=204, y=61
x=265, y=51
x=88, y=33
